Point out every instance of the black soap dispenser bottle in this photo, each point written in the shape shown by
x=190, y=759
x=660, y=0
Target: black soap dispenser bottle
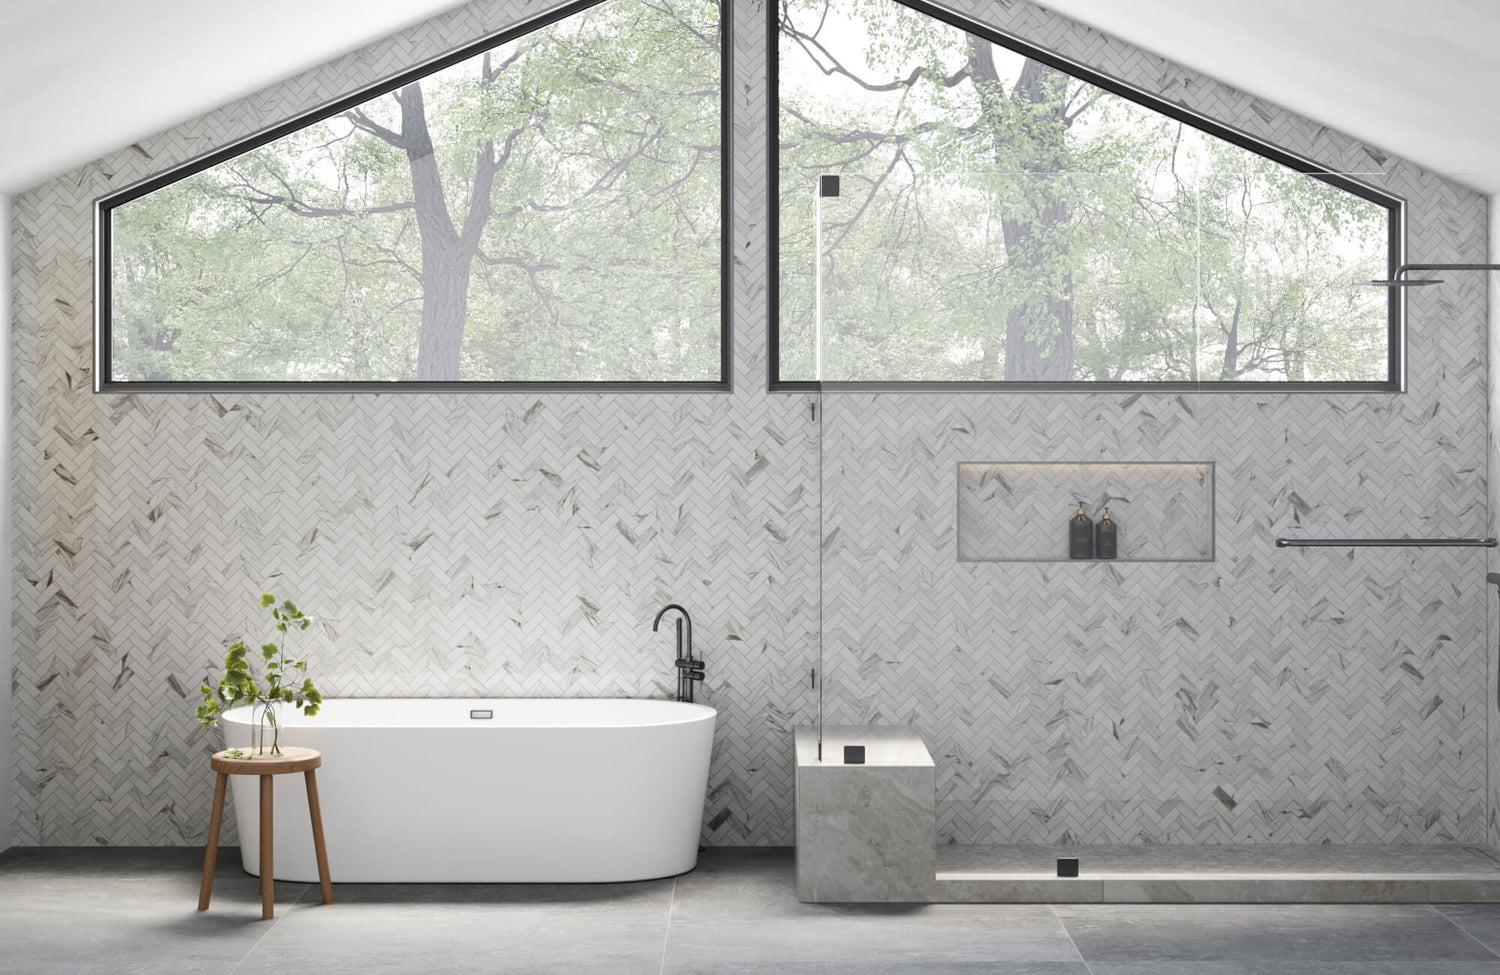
x=1106, y=537
x=1080, y=534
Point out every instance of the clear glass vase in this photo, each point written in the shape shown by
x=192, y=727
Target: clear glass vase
x=265, y=734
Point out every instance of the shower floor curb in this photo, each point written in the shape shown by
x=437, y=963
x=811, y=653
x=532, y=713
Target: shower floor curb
x=1249, y=874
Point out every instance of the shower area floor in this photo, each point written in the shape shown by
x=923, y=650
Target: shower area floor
x=865, y=832
x=1219, y=874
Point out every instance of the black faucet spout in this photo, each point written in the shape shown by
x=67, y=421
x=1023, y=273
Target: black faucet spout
x=656, y=624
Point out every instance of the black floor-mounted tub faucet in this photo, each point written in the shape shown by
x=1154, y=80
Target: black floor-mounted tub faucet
x=689, y=670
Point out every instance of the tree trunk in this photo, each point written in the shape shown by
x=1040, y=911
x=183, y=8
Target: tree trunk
x=447, y=253
x=445, y=286
x=158, y=340
x=1039, y=332
x=1232, y=346
x=445, y=307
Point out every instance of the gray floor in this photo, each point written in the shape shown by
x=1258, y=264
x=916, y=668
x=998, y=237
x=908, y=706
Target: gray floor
x=112, y=910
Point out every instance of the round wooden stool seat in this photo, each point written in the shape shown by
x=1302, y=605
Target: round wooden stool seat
x=266, y=767
x=290, y=760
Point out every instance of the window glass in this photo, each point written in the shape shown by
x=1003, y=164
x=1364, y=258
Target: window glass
x=1000, y=220
x=545, y=210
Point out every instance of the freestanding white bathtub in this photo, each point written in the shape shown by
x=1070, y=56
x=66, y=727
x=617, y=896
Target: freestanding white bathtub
x=541, y=790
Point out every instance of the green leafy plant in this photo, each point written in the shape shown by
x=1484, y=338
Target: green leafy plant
x=238, y=684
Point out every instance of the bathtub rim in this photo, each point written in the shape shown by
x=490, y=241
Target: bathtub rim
x=291, y=718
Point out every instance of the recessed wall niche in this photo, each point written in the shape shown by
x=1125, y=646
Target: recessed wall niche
x=1018, y=512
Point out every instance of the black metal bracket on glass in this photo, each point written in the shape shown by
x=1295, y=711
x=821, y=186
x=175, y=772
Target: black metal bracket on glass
x=1386, y=543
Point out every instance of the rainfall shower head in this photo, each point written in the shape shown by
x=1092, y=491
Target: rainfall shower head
x=1400, y=283
x=1400, y=280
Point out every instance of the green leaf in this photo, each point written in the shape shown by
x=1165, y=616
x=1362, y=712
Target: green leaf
x=238, y=684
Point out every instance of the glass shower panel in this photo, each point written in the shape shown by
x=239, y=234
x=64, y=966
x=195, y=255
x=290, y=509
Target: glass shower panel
x=1035, y=679
x=922, y=282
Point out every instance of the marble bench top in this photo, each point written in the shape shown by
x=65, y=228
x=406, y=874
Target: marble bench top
x=884, y=745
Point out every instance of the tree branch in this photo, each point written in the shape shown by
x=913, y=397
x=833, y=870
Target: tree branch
x=488, y=76
x=485, y=168
x=526, y=266
x=668, y=9
x=809, y=41
x=531, y=270
x=364, y=123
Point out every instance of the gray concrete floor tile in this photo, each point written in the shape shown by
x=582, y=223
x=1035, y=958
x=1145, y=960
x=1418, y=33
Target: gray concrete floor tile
x=741, y=881
x=1270, y=933
x=739, y=912
x=133, y=911
x=127, y=911
x=867, y=966
x=874, y=943
x=1480, y=921
x=471, y=928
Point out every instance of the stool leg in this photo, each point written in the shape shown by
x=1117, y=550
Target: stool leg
x=267, y=860
x=316, y=811
x=211, y=851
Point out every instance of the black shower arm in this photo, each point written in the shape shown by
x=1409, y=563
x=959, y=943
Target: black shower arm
x=1442, y=267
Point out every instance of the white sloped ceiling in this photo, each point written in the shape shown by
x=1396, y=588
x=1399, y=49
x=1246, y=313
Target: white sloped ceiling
x=1421, y=80
x=79, y=78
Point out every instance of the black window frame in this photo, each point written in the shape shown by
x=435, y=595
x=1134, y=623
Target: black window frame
x=1395, y=381
x=105, y=204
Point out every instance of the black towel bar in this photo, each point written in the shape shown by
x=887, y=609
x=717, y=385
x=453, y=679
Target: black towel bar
x=1386, y=543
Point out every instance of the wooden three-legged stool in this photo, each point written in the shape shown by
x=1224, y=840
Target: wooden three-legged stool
x=303, y=760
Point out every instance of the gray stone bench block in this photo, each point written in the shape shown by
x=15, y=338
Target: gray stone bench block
x=865, y=832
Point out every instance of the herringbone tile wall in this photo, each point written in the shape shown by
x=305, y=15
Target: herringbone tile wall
x=451, y=544
x=514, y=544
x=1271, y=696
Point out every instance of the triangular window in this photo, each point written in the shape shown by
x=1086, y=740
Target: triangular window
x=543, y=207
x=958, y=207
